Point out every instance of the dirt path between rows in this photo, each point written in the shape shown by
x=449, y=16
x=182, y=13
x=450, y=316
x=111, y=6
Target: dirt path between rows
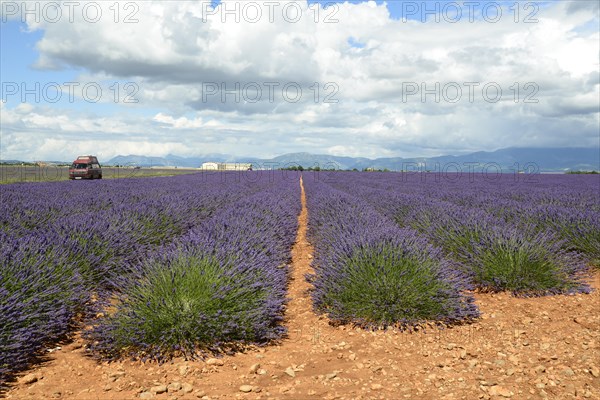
x=543, y=348
x=303, y=324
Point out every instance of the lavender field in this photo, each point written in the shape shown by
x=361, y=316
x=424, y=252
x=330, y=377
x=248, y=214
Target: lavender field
x=396, y=249
x=193, y=261
x=193, y=265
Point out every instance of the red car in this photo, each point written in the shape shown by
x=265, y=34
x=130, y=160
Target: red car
x=85, y=167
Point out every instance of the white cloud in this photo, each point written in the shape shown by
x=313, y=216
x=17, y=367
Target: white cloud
x=177, y=46
x=182, y=122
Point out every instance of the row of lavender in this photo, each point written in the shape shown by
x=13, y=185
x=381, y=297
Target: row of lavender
x=105, y=226
x=373, y=273
x=532, y=238
x=568, y=205
x=218, y=287
x=63, y=245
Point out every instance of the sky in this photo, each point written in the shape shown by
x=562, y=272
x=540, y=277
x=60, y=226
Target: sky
x=265, y=78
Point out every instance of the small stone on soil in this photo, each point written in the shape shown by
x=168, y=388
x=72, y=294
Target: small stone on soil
x=254, y=368
x=215, y=361
x=500, y=391
x=159, y=389
x=246, y=388
x=29, y=379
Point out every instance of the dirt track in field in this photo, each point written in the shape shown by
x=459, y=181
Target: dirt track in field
x=544, y=348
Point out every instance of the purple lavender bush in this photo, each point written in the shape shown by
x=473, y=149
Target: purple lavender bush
x=579, y=229
x=220, y=286
x=525, y=259
x=527, y=239
x=371, y=273
x=41, y=291
x=63, y=242
x=533, y=264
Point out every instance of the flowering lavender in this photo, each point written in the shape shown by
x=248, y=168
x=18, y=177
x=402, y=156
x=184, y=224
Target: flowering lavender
x=221, y=285
x=63, y=242
x=372, y=273
x=505, y=258
x=531, y=239
x=198, y=261
x=41, y=291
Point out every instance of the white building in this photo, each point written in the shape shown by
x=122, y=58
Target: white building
x=215, y=166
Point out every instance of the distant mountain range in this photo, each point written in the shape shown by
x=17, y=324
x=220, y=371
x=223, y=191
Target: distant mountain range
x=509, y=159
x=542, y=159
